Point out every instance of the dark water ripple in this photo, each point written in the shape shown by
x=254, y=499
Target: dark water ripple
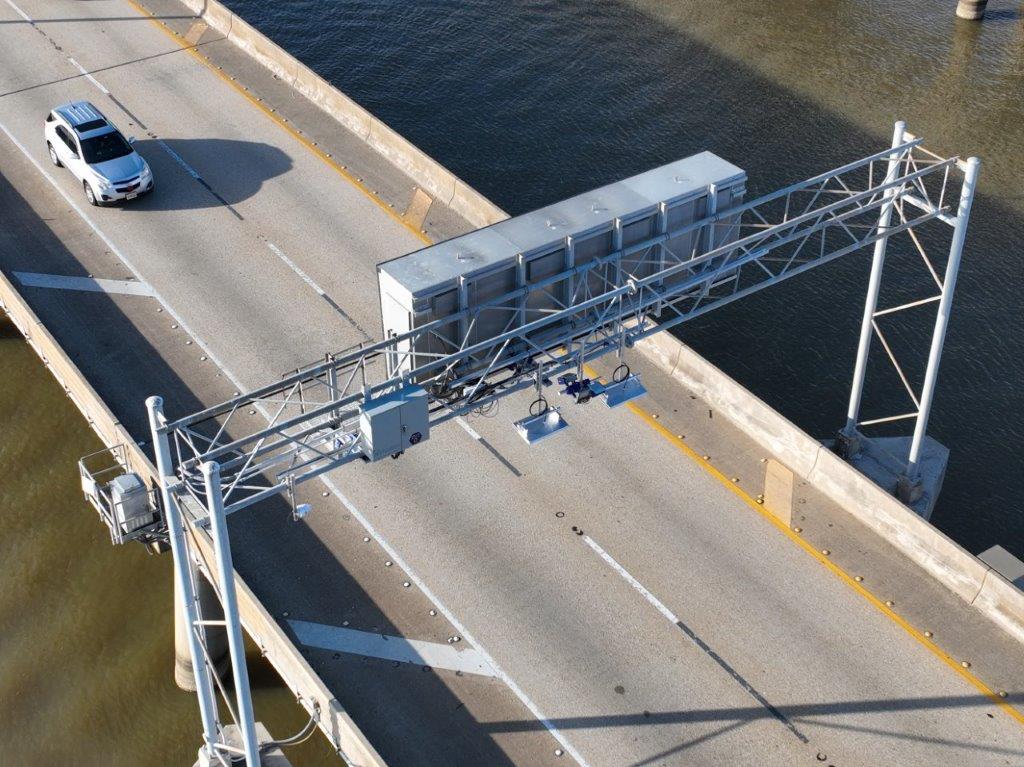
x=534, y=100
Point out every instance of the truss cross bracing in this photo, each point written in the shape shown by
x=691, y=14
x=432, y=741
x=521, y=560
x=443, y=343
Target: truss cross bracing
x=616, y=300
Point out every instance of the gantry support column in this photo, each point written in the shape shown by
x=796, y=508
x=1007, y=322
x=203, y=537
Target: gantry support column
x=216, y=636
x=909, y=486
x=848, y=441
x=183, y=579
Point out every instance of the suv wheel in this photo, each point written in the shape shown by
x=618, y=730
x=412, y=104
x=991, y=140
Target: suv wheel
x=90, y=195
x=53, y=155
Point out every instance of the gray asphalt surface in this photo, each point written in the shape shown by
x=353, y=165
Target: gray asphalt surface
x=747, y=651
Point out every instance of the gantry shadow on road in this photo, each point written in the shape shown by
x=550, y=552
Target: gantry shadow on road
x=577, y=111
x=411, y=717
x=819, y=714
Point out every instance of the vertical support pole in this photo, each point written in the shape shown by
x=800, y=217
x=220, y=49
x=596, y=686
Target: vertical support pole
x=521, y=283
x=332, y=381
x=972, y=10
x=182, y=577
x=216, y=639
x=570, y=280
x=711, y=209
x=226, y=578
x=871, y=300
x=931, y=375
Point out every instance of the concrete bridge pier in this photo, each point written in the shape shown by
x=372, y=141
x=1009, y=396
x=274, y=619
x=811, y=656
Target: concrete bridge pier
x=216, y=636
x=973, y=10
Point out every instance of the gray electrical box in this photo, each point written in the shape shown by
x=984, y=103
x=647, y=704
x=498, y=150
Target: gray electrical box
x=393, y=422
x=540, y=250
x=130, y=500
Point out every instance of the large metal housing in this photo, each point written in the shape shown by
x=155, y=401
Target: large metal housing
x=549, y=250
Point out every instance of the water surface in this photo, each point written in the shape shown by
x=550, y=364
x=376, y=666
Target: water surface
x=531, y=101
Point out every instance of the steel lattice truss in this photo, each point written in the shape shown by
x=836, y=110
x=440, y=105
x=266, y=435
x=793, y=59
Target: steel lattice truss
x=313, y=414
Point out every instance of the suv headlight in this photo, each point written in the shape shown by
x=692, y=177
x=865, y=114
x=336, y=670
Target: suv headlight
x=146, y=172
x=103, y=183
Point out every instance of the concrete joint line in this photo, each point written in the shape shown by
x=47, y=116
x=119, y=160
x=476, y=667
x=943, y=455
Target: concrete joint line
x=977, y=594
x=814, y=463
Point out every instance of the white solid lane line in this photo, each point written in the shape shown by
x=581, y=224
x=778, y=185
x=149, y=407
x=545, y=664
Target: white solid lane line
x=394, y=648
x=89, y=77
x=333, y=488
x=693, y=637
x=20, y=12
x=89, y=284
x=120, y=256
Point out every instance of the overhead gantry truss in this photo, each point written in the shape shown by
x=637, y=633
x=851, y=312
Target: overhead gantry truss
x=314, y=413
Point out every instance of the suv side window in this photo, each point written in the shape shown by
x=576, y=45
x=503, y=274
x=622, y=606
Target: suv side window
x=66, y=138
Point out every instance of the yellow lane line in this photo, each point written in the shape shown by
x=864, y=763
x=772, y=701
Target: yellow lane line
x=828, y=563
x=646, y=417
x=280, y=121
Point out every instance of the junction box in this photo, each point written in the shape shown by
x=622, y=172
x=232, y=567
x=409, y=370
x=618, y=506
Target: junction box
x=393, y=422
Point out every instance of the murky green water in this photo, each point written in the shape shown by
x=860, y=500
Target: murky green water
x=86, y=630
x=532, y=101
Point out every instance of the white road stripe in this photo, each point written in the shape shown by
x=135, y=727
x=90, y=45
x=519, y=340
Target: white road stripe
x=89, y=77
x=456, y=624
x=469, y=429
x=121, y=257
x=655, y=602
x=180, y=160
x=295, y=268
x=333, y=488
x=88, y=284
x=353, y=642
x=20, y=12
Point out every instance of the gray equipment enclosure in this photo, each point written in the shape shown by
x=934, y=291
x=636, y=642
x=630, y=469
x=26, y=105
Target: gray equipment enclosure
x=546, y=258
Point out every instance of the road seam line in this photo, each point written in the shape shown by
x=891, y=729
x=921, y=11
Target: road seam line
x=672, y=618
x=827, y=563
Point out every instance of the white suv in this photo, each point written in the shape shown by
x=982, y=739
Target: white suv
x=81, y=139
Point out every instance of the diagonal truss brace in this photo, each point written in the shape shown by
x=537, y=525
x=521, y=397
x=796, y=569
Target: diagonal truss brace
x=311, y=417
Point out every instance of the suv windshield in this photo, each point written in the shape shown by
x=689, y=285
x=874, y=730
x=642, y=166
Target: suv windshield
x=109, y=146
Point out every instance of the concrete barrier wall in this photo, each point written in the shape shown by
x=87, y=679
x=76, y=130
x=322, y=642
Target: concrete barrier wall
x=264, y=630
x=429, y=174
x=950, y=564
x=945, y=560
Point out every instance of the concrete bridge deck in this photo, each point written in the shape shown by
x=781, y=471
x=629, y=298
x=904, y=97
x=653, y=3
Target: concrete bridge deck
x=619, y=599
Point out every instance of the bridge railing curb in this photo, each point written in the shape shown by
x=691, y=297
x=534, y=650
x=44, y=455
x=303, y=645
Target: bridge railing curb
x=275, y=644
x=424, y=170
x=945, y=560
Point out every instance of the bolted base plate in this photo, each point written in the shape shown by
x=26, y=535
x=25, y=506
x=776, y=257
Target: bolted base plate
x=883, y=461
x=271, y=757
